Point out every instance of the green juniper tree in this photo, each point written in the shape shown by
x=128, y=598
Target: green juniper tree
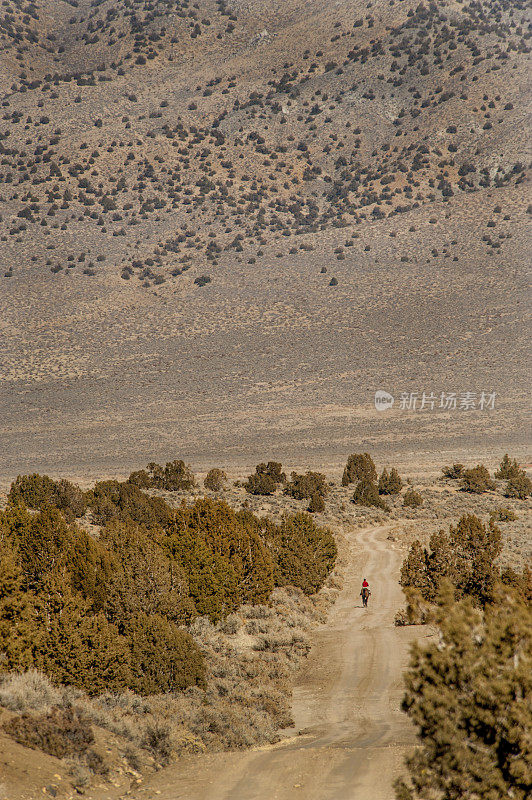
x=476, y=480
x=507, y=468
x=390, y=482
x=367, y=494
x=469, y=696
x=359, y=467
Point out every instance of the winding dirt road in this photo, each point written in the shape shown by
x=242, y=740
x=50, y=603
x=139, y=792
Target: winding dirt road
x=350, y=734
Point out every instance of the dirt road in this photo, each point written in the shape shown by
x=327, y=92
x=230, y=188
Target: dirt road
x=350, y=736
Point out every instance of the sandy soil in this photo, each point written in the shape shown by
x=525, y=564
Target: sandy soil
x=349, y=736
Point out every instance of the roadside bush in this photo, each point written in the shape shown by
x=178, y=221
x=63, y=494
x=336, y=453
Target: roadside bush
x=417, y=612
x=390, y=483
x=412, y=499
x=215, y=479
x=367, y=494
x=223, y=554
x=461, y=695
x=307, y=485
x=81, y=649
x=144, y=578
x=466, y=556
x=102, y=614
x=28, y=690
x=476, y=480
x=157, y=740
x=164, y=658
x=521, y=583
x=62, y=732
x=359, y=467
x=303, y=552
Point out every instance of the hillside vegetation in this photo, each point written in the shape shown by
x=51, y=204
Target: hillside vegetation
x=187, y=186
x=137, y=624
x=104, y=613
x=372, y=116
x=469, y=692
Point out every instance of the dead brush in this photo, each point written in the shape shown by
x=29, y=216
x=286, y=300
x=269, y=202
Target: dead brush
x=29, y=691
x=157, y=739
x=59, y=733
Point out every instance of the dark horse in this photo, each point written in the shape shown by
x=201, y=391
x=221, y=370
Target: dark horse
x=365, y=593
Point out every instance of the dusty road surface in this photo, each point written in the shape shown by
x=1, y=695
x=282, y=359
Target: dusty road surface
x=350, y=736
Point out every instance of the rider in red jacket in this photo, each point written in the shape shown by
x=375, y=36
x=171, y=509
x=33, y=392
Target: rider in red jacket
x=365, y=592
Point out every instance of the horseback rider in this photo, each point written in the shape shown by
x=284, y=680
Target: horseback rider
x=365, y=593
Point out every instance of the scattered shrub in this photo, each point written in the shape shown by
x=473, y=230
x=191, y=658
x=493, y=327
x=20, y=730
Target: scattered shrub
x=367, y=494
x=265, y=478
x=508, y=468
x=476, y=480
x=359, y=467
x=455, y=472
x=519, y=486
x=175, y=476
x=111, y=500
x=412, y=499
x=317, y=504
x=502, y=515
x=215, y=479
x=260, y=484
x=307, y=485
x=390, y=483
x=141, y=479
x=37, y=490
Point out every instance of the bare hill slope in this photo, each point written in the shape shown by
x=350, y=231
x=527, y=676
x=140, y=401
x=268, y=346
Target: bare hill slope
x=180, y=183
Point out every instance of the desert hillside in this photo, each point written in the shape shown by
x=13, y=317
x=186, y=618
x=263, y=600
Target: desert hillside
x=226, y=225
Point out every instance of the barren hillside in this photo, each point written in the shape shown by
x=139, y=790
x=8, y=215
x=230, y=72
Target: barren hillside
x=182, y=183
